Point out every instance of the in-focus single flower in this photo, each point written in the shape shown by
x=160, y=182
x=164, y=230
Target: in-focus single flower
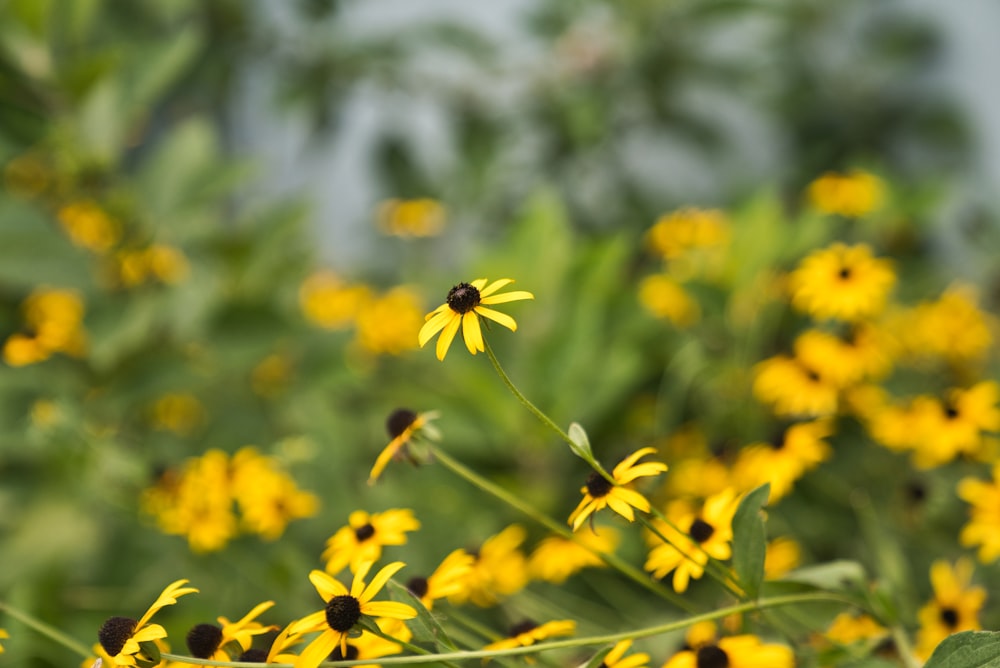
x=466, y=303
x=599, y=492
x=121, y=636
x=955, y=606
x=842, y=283
x=344, y=610
x=403, y=426
x=365, y=535
x=527, y=633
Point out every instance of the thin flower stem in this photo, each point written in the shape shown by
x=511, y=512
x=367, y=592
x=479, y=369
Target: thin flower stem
x=587, y=641
x=545, y=419
x=611, y=560
x=46, y=630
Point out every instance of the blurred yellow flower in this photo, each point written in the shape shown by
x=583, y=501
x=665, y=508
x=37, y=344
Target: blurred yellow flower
x=365, y=535
x=448, y=579
x=465, y=304
x=783, y=461
x=268, y=498
x=864, y=354
x=983, y=527
x=739, y=651
x=388, y=324
x=527, y=633
x=616, y=657
x=851, y=627
x=53, y=319
x=403, y=426
x=665, y=298
x=499, y=570
x=841, y=282
x=945, y=429
x=678, y=232
x=853, y=194
x=3, y=635
x=952, y=327
x=422, y=217
x=179, y=412
x=782, y=556
x=793, y=389
x=556, y=558
x=329, y=302
x=955, y=606
x=89, y=226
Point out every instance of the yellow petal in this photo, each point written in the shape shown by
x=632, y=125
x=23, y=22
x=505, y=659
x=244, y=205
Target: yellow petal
x=312, y=622
x=379, y=580
x=318, y=650
x=471, y=332
x=360, y=573
x=326, y=585
x=494, y=286
x=447, y=336
x=497, y=316
x=434, y=325
x=517, y=295
x=383, y=459
x=391, y=609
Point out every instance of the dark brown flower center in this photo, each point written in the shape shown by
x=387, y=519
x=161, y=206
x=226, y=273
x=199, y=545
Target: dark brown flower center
x=418, y=586
x=203, y=640
x=951, y=412
x=844, y=273
x=114, y=632
x=363, y=533
x=337, y=655
x=399, y=421
x=463, y=298
x=711, y=656
x=949, y=617
x=598, y=486
x=343, y=612
x=522, y=627
x=253, y=656
x=701, y=530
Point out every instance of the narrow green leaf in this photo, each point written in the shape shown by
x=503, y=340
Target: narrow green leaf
x=841, y=574
x=597, y=659
x=968, y=649
x=750, y=540
x=426, y=627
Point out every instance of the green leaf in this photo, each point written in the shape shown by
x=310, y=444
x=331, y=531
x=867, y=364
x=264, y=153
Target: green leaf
x=581, y=444
x=834, y=575
x=968, y=649
x=750, y=540
x=597, y=659
x=426, y=627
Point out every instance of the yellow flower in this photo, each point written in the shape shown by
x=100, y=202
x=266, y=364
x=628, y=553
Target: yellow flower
x=466, y=303
x=847, y=628
x=389, y=324
x=782, y=555
x=741, y=651
x=54, y=320
x=664, y=297
x=267, y=496
x=793, y=389
x=599, y=492
x=946, y=429
x=983, y=528
x=693, y=538
x=403, y=426
x=616, y=657
x=344, y=609
x=121, y=636
x=370, y=646
x=448, y=579
x=955, y=606
x=3, y=635
x=208, y=641
x=556, y=558
x=423, y=217
x=841, y=282
x=864, y=354
x=499, y=570
x=527, y=633
x=853, y=194
x=89, y=226
x=676, y=233
x=364, y=536
x=329, y=302
x=800, y=449
x=953, y=326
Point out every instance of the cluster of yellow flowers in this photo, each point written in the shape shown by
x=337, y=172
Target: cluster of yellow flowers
x=53, y=323
x=200, y=500
x=384, y=324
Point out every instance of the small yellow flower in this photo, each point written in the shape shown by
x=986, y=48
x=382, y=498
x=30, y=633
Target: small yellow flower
x=853, y=194
x=498, y=570
x=344, y=609
x=329, y=302
x=847, y=628
x=121, y=636
x=403, y=426
x=955, y=606
x=792, y=388
x=364, y=536
x=466, y=303
x=741, y=651
x=208, y=641
x=3, y=635
x=842, y=282
x=423, y=217
x=448, y=579
x=599, y=492
x=388, y=324
x=89, y=226
x=665, y=298
x=782, y=555
x=528, y=633
x=616, y=657
x=983, y=528
x=556, y=558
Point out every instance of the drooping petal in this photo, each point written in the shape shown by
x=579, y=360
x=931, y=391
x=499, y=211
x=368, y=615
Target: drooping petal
x=315, y=621
x=471, y=332
x=643, y=470
x=627, y=463
x=583, y=510
x=514, y=296
x=494, y=286
x=318, y=650
x=621, y=507
x=434, y=325
x=326, y=585
x=497, y=316
x=631, y=497
x=447, y=336
x=379, y=581
x=384, y=457
x=168, y=596
x=391, y=609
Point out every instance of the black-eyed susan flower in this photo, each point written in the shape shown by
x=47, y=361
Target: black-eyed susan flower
x=527, y=633
x=954, y=426
x=863, y=353
x=851, y=627
x=403, y=426
x=785, y=459
x=666, y=298
x=841, y=283
x=677, y=233
x=983, y=527
x=955, y=606
x=599, y=492
x=267, y=496
x=371, y=646
x=499, y=569
x=556, y=558
x=343, y=611
x=466, y=303
x=852, y=194
x=3, y=636
x=952, y=326
x=739, y=651
x=448, y=579
x=616, y=657
x=792, y=388
x=387, y=324
x=365, y=535
x=122, y=637
x=693, y=538
x=208, y=641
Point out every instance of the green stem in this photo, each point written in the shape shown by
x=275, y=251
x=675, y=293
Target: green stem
x=545, y=419
x=46, y=630
x=416, y=649
x=606, y=639
x=611, y=560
